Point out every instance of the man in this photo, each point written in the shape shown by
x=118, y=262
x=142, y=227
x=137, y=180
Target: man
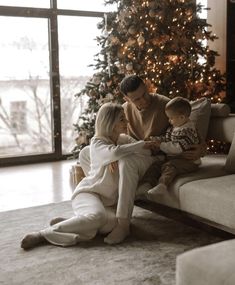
x=146, y=117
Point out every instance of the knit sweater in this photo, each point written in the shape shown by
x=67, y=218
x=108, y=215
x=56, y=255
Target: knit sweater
x=179, y=139
x=102, y=152
x=150, y=122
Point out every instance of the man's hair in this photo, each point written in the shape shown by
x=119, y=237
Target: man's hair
x=180, y=106
x=130, y=83
x=106, y=118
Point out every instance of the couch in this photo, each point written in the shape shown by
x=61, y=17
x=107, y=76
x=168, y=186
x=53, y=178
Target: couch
x=206, y=199
x=207, y=196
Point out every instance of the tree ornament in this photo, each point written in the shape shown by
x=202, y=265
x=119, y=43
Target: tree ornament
x=132, y=30
x=152, y=13
x=131, y=42
x=140, y=40
x=129, y=66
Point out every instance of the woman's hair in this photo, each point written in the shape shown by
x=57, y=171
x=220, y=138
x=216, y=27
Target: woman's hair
x=180, y=106
x=130, y=83
x=106, y=119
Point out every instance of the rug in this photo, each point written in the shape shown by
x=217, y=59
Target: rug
x=147, y=257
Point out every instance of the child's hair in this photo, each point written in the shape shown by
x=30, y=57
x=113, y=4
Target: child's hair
x=106, y=118
x=130, y=83
x=179, y=105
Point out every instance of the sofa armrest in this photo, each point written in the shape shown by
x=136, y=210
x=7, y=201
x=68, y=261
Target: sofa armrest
x=221, y=128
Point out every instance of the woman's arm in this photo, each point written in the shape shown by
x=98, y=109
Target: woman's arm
x=103, y=153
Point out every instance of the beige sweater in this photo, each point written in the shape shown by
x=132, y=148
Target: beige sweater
x=150, y=122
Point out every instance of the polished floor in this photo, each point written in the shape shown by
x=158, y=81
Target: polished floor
x=34, y=184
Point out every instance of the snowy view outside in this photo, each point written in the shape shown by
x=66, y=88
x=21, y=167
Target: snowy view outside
x=26, y=121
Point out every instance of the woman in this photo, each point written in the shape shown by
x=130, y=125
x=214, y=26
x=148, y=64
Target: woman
x=94, y=199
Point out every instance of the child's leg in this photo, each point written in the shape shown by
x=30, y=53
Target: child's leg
x=170, y=170
x=150, y=178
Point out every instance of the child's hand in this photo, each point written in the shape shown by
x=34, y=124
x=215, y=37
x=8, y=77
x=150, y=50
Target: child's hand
x=152, y=144
x=113, y=166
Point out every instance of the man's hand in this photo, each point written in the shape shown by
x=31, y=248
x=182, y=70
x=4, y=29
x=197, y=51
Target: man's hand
x=113, y=166
x=196, y=151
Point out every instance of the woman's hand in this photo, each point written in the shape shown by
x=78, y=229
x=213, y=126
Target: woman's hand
x=153, y=146
x=113, y=166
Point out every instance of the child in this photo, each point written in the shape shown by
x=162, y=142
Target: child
x=179, y=137
x=94, y=199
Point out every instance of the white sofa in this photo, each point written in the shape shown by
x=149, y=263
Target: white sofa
x=208, y=195
x=208, y=265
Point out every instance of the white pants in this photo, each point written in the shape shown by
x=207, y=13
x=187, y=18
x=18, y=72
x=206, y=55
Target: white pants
x=90, y=217
x=131, y=170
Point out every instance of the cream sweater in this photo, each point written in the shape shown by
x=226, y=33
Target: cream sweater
x=102, y=152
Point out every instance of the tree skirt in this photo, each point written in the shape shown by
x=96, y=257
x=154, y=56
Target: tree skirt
x=146, y=257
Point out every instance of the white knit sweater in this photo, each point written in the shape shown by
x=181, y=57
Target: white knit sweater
x=102, y=152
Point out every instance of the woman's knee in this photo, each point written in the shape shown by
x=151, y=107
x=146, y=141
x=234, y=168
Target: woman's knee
x=84, y=159
x=127, y=162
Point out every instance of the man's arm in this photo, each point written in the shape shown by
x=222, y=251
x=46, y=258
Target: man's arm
x=196, y=151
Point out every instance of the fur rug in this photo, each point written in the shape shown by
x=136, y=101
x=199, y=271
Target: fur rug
x=146, y=257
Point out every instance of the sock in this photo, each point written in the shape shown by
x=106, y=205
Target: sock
x=157, y=190
x=57, y=220
x=31, y=240
x=119, y=233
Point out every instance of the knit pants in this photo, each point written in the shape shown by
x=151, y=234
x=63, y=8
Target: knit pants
x=131, y=170
x=90, y=217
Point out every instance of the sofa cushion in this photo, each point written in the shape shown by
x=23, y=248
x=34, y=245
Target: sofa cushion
x=222, y=129
x=230, y=161
x=212, y=166
x=220, y=110
x=212, y=199
x=200, y=115
x=208, y=265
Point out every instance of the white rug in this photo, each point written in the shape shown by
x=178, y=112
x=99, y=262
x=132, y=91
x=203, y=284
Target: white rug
x=147, y=257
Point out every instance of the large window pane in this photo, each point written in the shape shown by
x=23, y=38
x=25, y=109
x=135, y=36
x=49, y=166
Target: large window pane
x=87, y=5
x=26, y=3
x=25, y=104
x=76, y=50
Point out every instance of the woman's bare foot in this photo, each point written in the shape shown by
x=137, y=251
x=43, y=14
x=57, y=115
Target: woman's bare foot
x=31, y=240
x=57, y=220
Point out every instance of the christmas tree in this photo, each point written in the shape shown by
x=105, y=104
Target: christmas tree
x=164, y=42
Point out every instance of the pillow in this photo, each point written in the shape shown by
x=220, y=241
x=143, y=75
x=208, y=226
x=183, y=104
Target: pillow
x=220, y=110
x=230, y=161
x=200, y=115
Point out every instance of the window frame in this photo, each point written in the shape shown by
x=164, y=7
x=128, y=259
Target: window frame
x=51, y=14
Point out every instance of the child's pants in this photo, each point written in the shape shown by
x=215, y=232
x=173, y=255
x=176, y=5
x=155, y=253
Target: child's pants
x=90, y=217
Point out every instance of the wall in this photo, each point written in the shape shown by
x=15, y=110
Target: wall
x=217, y=17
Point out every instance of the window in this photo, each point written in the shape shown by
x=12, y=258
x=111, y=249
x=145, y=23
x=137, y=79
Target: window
x=18, y=117
x=44, y=62
x=26, y=3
